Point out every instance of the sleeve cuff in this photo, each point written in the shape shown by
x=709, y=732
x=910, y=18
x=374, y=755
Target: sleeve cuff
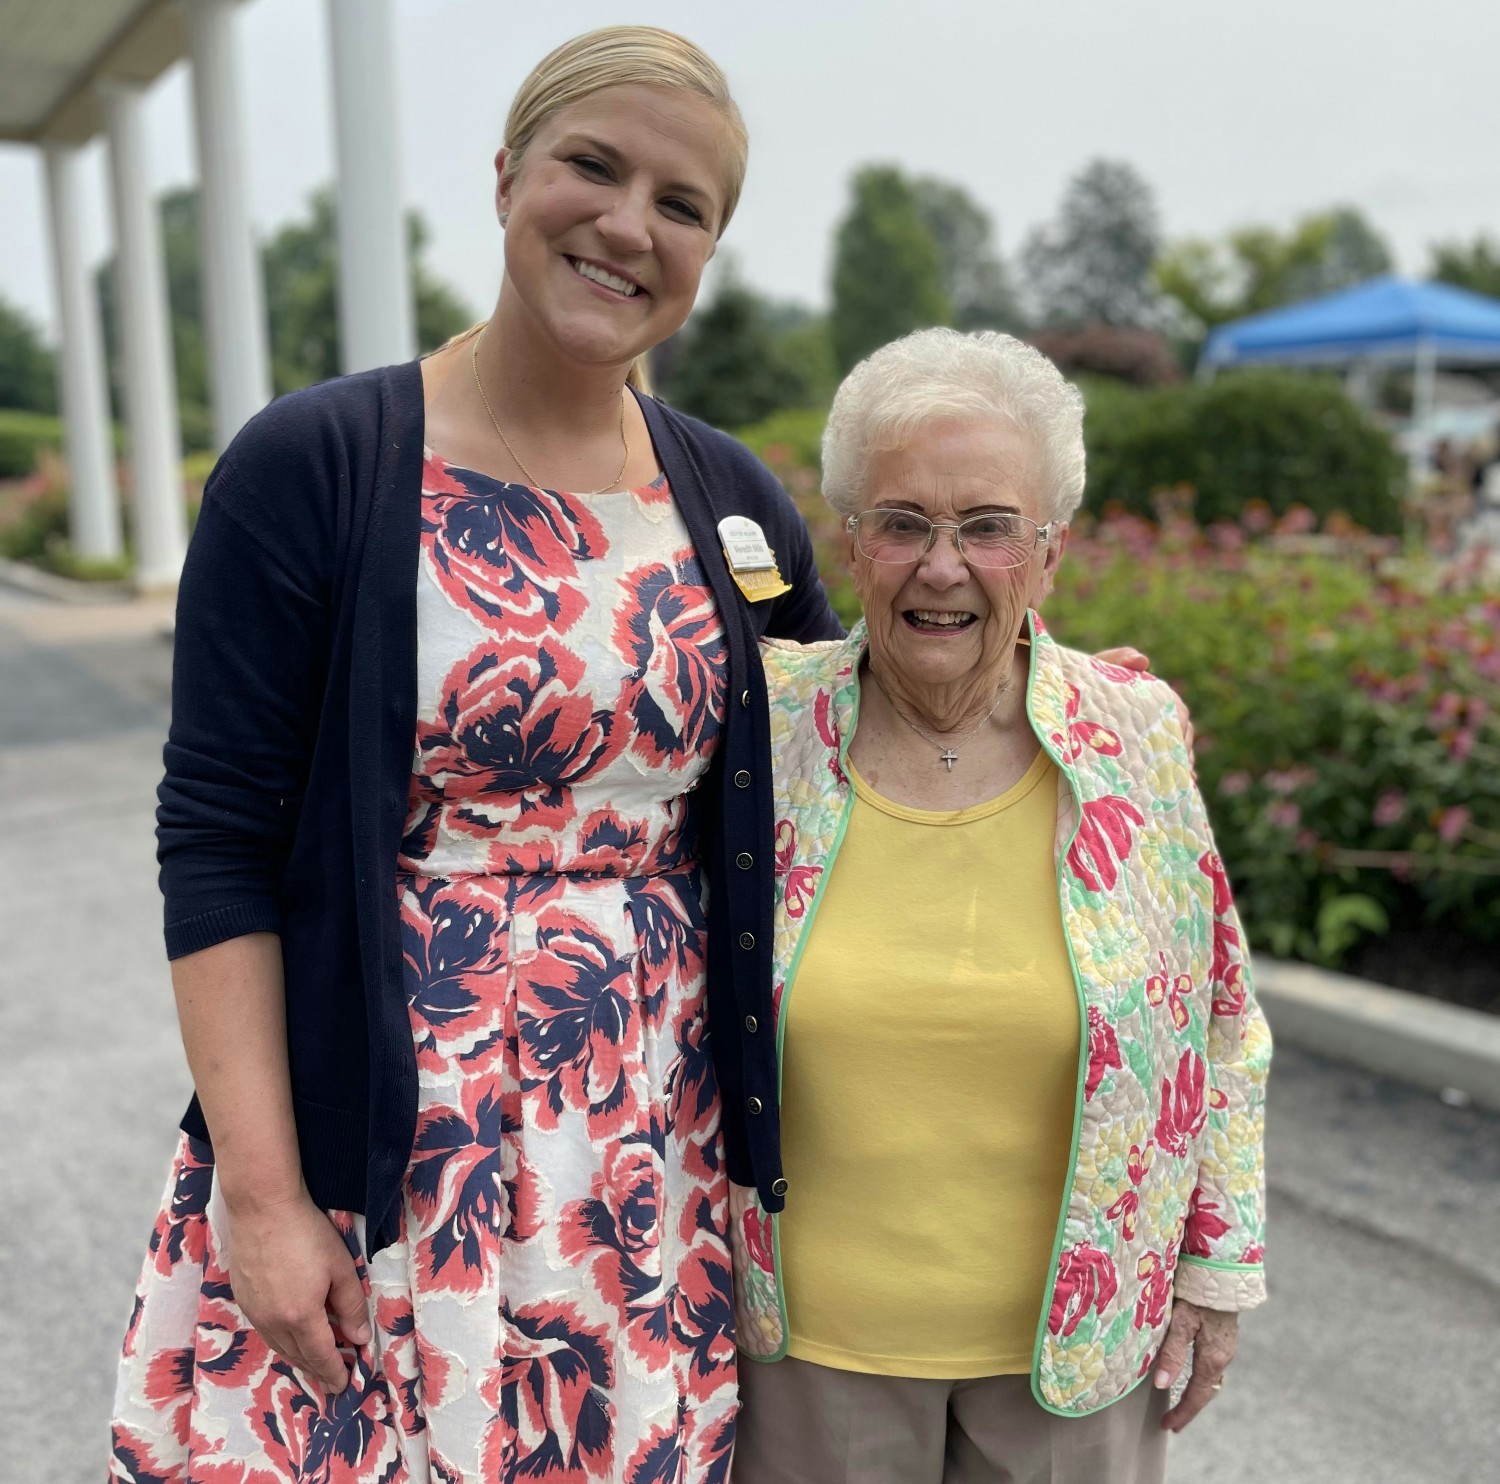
x=1219, y=1287
x=193, y=934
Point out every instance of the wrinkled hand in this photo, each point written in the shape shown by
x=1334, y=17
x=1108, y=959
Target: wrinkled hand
x=289, y=1268
x=1213, y=1335
x=1133, y=659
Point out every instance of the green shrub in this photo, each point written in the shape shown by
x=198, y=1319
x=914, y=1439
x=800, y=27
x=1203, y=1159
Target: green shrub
x=23, y=436
x=1348, y=724
x=1281, y=439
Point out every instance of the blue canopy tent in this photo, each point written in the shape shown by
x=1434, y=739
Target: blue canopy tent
x=1386, y=321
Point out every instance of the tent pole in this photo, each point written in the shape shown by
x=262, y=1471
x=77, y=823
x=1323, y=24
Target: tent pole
x=1424, y=375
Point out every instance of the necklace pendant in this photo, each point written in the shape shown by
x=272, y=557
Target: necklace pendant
x=948, y=758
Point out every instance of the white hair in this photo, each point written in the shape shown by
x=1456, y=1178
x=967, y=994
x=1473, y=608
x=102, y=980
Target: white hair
x=942, y=375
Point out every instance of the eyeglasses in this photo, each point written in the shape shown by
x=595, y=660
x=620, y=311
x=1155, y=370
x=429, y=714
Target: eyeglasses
x=992, y=541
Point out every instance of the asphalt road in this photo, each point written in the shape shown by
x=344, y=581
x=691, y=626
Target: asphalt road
x=1377, y=1360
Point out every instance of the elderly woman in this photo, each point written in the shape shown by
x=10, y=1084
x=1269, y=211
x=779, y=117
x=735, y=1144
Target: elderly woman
x=1022, y=1069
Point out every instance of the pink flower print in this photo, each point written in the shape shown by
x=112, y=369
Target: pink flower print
x=1082, y=736
x=800, y=883
x=1086, y=1280
x=756, y=1226
x=1183, y=1109
x=1103, y=839
x=1116, y=673
x=505, y=552
x=1104, y=1050
x=1174, y=995
x=1124, y=1211
x=1204, y=1226
x=1156, y=1292
x=1138, y=1163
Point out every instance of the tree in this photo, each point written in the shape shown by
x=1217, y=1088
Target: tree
x=1474, y=266
x=1095, y=262
x=974, y=277
x=28, y=378
x=887, y=268
x=301, y=276
x=1257, y=268
x=731, y=371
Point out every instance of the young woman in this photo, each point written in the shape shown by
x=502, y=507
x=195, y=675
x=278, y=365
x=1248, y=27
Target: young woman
x=462, y=669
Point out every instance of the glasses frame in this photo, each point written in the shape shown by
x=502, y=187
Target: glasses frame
x=1043, y=535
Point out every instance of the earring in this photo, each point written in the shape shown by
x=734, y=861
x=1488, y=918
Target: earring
x=504, y=217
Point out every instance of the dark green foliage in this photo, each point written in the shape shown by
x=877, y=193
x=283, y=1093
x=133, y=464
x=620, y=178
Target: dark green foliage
x=1473, y=265
x=734, y=369
x=23, y=435
x=887, y=268
x=28, y=378
x=974, y=277
x=1095, y=262
x=1276, y=437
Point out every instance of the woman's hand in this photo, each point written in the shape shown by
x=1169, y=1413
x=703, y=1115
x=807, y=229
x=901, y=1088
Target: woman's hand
x=1213, y=1335
x=289, y=1267
x=1133, y=659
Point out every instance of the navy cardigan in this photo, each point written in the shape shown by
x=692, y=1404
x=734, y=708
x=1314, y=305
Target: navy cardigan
x=289, y=758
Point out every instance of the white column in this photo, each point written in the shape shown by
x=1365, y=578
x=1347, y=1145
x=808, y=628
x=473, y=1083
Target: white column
x=233, y=299
x=148, y=381
x=93, y=499
x=375, y=310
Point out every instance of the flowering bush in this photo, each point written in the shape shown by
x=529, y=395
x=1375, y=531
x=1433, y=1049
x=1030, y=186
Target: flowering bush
x=1348, y=717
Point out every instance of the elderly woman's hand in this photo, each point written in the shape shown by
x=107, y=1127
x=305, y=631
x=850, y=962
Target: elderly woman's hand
x=1133, y=659
x=1213, y=1335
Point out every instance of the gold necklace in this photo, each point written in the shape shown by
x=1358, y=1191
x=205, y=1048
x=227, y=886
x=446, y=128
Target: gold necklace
x=948, y=755
x=530, y=477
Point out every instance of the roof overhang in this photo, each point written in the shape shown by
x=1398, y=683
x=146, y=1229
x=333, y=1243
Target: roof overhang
x=55, y=53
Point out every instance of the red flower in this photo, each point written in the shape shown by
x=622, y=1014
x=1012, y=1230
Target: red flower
x=1139, y=1162
x=1124, y=1211
x=1086, y=1279
x=1151, y=1306
x=1103, y=838
x=1157, y=991
x=1204, y=1226
x=1183, y=1109
x=1082, y=735
x=801, y=881
x=1104, y=1051
x=1117, y=673
x=758, y=1239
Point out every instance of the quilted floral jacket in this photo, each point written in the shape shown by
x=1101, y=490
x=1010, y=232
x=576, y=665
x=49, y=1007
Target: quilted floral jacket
x=1166, y=1191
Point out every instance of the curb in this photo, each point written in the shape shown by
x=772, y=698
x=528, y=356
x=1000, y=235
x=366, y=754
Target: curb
x=29, y=579
x=1443, y=1048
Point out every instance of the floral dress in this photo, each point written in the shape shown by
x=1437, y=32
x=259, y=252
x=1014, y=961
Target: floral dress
x=557, y=1305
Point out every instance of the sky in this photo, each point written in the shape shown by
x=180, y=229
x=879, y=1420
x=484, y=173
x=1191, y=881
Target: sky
x=1233, y=113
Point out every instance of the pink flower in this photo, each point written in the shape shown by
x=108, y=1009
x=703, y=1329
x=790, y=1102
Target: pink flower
x=1390, y=808
x=1453, y=823
x=1151, y=1306
x=1204, y=1226
x=1284, y=815
x=1103, y=839
x=1104, y=1051
x=1232, y=785
x=1183, y=1107
x=1086, y=1279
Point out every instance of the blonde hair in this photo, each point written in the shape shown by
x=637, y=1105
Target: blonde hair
x=617, y=56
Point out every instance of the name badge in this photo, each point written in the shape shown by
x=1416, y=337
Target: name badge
x=752, y=563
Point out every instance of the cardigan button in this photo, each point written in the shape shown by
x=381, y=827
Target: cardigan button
x=747, y=940
x=754, y=1105
x=744, y=698
x=752, y=1024
x=742, y=779
x=744, y=860
x=778, y=1187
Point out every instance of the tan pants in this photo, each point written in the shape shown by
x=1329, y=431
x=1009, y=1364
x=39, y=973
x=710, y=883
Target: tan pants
x=808, y=1424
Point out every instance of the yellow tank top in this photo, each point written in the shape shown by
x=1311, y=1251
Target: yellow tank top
x=930, y=1075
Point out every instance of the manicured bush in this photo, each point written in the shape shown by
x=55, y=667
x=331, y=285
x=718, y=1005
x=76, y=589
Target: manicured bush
x=1283, y=439
x=23, y=437
x=1348, y=721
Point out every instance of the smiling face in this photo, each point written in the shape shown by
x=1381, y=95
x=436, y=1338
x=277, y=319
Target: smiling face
x=938, y=625
x=611, y=216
